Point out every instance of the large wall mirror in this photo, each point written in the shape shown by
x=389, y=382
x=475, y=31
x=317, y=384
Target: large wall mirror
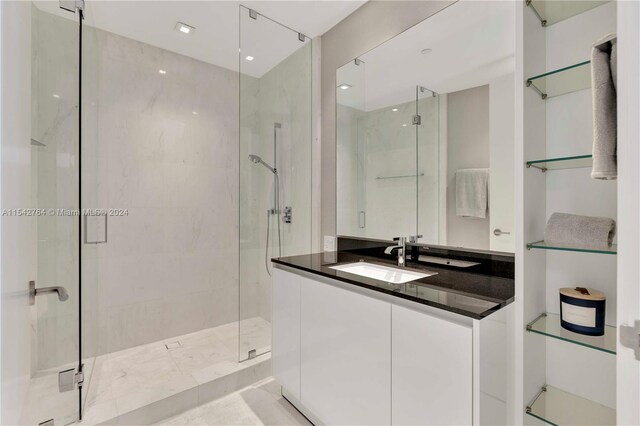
x=425, y=132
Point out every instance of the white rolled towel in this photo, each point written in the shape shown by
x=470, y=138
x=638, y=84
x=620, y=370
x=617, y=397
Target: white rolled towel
x=575, y=230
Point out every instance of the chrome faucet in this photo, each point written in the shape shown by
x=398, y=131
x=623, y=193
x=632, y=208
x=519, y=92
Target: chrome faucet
x=401, y=247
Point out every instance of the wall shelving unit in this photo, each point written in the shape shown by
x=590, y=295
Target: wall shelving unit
x=557, y=407
x=548, y=324
x=612, y=249
x=562, y=163
x=551, y=404
x=565, y=80
x=550, y=12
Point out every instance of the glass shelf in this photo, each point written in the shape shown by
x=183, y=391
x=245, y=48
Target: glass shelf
x=612, y=249
x=549, y=325
x=557, y=407
x=551, y=12
x=561, y=163
x=562, y=81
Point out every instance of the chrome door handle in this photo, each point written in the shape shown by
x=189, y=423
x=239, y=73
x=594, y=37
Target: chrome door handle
x=497, y=232
x=62, y=293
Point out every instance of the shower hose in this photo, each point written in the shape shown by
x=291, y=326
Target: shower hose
x=277, y=208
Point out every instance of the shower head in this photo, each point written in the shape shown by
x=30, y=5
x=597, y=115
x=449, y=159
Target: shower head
x=257, y=160
x=277, y=125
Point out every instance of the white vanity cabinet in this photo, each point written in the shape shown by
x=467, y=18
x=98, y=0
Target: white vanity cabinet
x=285, y=349
x=432, y=369
x=345, y=355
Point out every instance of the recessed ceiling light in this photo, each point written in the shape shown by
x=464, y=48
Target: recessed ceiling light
x=395, y=110
x=162, y=71
x=426, y=51
x=345, y=86
x=55, y=95
x=404, y=125
x=184, y=28
x=249, y=58
x=194, y=112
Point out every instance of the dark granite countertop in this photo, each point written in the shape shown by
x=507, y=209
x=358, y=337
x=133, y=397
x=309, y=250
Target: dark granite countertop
x=466, y=293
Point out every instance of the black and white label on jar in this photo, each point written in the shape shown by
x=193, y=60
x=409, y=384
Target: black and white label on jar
x=579, y=315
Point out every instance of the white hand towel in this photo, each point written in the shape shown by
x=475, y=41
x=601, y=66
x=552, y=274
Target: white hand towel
x=472, y=188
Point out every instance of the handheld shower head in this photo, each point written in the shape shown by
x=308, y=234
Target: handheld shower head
x=257, y=160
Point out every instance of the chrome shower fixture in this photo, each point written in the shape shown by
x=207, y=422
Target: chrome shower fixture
x=257, y=160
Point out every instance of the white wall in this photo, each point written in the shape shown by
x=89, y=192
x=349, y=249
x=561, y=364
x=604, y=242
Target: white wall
x=16, y=233
x=501, y=188
x=628, y=367
x=467, y=147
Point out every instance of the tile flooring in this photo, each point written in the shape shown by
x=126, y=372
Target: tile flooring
x=196, y=368
x=258, y=404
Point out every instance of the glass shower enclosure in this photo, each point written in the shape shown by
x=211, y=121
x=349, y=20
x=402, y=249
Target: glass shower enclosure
x=275, y=165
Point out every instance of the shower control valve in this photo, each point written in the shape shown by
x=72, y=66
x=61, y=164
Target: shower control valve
x=287, y=214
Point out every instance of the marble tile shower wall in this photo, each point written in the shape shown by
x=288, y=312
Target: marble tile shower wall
x=168, y=152
x=282, y=95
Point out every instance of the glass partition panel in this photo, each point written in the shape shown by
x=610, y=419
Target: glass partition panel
x=275, y=165
x=55, y=187
x=431, y=183
x=94, y=220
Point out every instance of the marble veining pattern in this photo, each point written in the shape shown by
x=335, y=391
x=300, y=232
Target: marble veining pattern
x=259, y=404
x=122, y=383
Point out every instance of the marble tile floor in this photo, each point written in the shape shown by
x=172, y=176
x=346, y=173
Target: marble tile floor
x=258, y=404
x=132, y=386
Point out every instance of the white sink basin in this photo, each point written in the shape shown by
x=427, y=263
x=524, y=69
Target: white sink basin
x=382, y=273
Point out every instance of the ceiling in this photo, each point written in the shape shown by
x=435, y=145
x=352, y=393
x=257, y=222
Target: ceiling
x=472, y=43
x=215, y=39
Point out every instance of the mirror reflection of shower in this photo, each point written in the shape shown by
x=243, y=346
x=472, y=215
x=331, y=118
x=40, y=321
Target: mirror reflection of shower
x=275, y=210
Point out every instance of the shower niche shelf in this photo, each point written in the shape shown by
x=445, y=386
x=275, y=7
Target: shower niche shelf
x=548, y=325
x=557, y=407
x=612, y=249
x=562, y=81
x=562, y=163
x=551, y=12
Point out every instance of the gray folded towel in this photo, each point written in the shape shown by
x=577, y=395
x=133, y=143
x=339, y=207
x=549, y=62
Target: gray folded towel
x=603, y=81
x=575, y=230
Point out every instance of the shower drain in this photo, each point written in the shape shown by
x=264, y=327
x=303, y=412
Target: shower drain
x=173, y=345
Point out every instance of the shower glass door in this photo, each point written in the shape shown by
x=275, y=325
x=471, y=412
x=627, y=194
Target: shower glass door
x=275, y=165
x=55, y=392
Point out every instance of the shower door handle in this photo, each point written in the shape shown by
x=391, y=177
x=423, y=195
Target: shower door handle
x=62, y=293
